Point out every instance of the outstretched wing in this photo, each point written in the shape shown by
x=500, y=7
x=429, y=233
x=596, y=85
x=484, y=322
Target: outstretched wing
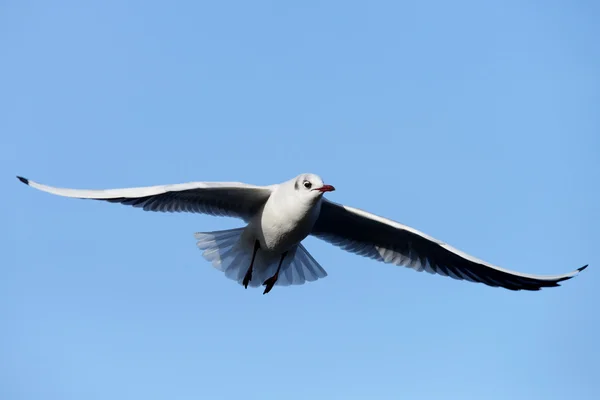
x=232, y=199
x=384, y=240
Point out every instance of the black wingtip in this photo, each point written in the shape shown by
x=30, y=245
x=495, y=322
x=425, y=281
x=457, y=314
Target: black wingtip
x=24, y=180
x=582, y=268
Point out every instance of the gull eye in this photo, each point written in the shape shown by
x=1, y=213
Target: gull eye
x=307, y=184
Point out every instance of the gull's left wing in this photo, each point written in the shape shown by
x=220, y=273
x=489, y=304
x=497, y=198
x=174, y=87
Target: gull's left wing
x=232, y=199
x=384, y=240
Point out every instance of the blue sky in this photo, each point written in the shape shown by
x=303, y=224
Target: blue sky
x=475, y=122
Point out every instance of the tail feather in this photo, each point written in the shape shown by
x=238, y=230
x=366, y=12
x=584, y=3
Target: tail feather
x=301, y=268
x=312, y=265
x=230, y=253
x=310, y=271
x=237, y=265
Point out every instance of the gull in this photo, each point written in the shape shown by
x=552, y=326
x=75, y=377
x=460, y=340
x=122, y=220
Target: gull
x=268, y=250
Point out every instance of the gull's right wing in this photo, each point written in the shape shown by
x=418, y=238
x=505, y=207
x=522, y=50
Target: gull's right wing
x=232, y=199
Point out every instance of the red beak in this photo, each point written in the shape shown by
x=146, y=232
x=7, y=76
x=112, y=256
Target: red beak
x=326, y=188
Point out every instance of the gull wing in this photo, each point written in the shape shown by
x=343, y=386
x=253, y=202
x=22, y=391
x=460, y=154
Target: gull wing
x=232, y=199
x=384, y=240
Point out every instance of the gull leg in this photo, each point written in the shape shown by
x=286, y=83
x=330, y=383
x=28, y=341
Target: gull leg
x=269, y=283
x=248, y=276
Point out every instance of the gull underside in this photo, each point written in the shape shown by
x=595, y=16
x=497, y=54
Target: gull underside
x=230, y=252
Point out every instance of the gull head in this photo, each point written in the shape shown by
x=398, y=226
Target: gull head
x=311, y=186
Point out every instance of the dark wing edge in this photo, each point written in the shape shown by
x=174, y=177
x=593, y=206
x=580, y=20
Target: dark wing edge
x=387, y=241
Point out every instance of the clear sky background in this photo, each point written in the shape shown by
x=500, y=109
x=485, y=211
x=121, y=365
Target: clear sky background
x=475, y=122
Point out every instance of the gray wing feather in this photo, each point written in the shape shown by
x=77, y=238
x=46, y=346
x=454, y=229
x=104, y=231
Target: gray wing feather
x=232, y=199
x=387, y=241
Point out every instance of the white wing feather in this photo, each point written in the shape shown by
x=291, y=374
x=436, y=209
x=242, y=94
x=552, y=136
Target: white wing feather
x=233, y=199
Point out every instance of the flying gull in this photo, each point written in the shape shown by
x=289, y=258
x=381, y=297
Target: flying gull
x=268, y=251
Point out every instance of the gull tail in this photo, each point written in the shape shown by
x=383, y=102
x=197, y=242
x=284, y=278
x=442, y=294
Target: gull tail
x=301, y=268
x=230, y=252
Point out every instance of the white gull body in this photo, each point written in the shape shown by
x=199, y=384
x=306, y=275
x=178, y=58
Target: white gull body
x=268, y=250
